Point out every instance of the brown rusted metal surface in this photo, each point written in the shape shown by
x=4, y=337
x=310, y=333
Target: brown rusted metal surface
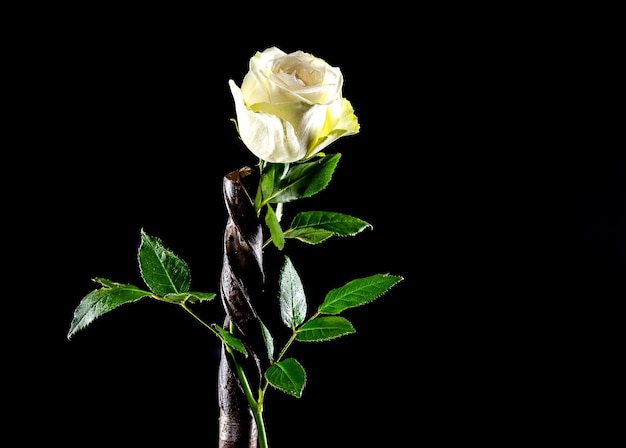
x=242, y=284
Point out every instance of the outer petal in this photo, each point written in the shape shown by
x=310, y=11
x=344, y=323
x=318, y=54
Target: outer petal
x=339, y=121
x=266, y=136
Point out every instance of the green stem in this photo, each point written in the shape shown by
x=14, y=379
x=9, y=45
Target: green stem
x=195, y=316
x=256, y=407
x=287, y=345
x=293, y=338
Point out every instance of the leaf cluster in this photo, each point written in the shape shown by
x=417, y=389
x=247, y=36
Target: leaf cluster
x=325, y=324
x=283, y=182
x=167, y=277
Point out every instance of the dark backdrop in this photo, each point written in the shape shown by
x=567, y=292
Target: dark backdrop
x=491, y=189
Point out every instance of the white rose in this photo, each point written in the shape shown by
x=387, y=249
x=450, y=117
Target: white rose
x=290, y=106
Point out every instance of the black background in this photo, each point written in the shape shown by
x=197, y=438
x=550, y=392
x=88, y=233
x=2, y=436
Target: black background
x=484, y=164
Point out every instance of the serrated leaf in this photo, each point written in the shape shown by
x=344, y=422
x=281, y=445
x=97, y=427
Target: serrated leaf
x=231, y=341
x=163, y=271
x=191, y=297
x=101, y=301
x=357, y=292
x=276, y=232
x=303, y=179
x=315, y=226
x=324, y=328
x=293, y=306
x=202, y=296
x=287, y=376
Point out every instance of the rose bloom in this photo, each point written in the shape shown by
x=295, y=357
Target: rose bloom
x=290, y=106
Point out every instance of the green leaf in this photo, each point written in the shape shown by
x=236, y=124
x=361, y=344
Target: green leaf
x=230, y=340
x=101, y=301
x=288, y=376
x=302, y=180
x=293, y=306
x=270, y=182
x=202, y=296
x=163, y=272
x=191, y=297
x=274, y=226
x=324, y=329
x=357, y=292
x=315, y=226
x=105, y=282
x=309, y=236
x=269, y=341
